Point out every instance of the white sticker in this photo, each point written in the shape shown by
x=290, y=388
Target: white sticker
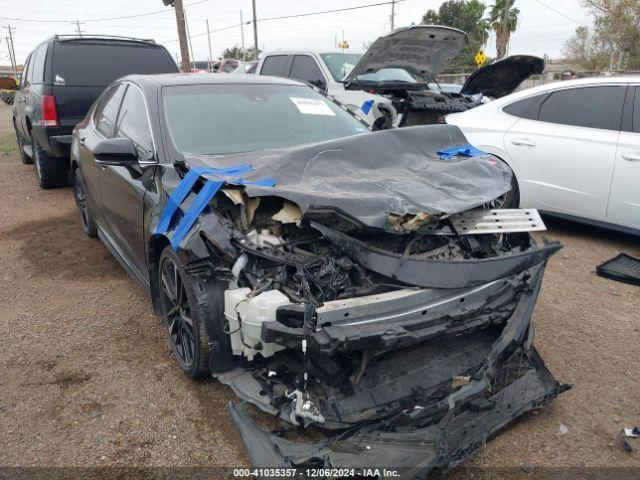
x=311, y=106
x=58, y=80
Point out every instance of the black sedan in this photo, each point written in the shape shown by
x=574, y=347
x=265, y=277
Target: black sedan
x=360, y=282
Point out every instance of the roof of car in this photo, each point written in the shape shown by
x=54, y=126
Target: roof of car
x=172, y=79
x=548, y=87
x=309, y=52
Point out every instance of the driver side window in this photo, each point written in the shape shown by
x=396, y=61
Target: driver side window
x=107, y=111
x=133, y=123
x=306, y=69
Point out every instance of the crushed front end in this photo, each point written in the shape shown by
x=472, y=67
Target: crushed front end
x=394, y=321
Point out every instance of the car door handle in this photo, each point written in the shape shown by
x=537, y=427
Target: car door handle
x=523, y=142
x=631, y=156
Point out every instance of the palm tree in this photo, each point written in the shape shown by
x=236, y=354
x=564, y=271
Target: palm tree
x=496, y=21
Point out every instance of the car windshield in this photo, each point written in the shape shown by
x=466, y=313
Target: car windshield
x=340, y=64
x=222, y=119
x=387, y=75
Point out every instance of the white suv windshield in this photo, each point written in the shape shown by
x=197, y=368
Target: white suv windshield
x=220, y=119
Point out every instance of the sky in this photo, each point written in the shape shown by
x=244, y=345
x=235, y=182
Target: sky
x=543, y=28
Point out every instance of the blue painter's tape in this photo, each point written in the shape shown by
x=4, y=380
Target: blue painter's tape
x=366, y=106
x=190, y=216
x=185, y=186
x=207, y=192
x=467, y=150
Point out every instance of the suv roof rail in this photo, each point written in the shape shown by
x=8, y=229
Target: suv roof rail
x=102, y=37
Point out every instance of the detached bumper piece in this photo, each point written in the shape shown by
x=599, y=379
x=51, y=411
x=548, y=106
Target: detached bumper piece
x=410, y=450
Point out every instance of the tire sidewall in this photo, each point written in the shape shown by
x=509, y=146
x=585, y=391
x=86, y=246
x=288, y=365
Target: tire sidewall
x=199, y=366
x=89, y=227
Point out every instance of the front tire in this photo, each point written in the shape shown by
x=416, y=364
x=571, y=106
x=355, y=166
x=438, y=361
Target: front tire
x=51, y=172
x=192, y=308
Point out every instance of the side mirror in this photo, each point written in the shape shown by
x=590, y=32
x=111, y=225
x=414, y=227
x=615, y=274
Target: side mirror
x=115, y=151
x=383, y=122
x=319, y=84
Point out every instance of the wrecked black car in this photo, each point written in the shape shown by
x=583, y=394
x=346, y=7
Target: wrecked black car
x=404, y=65
x=366, y=286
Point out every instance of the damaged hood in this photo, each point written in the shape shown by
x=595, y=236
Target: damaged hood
x=421, y=50
x=502, y=77
x=366, y=177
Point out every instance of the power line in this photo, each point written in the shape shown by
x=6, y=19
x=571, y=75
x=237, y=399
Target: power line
x=97, y=19
x=283, y=17
x=560, y=13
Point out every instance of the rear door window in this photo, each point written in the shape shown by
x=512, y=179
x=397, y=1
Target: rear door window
x=37, y=67
x=134, y=124
x=24, y=81
x=306, y=69
x=107, y=111
x=592, y=107
x=275, y=65
x=526, y=108
x=636, y=111
x=96, y=63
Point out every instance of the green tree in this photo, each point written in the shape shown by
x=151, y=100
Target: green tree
x=237, y=53
x=465, y=15
x=617, y=27
x=496, y=20
x=587, y=51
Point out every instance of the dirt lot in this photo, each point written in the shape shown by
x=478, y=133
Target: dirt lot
x=87, y=378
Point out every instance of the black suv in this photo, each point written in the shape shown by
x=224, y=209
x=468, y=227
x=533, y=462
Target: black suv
x=62, y=77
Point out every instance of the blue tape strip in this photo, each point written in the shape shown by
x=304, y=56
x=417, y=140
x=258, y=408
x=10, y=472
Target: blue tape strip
x=366, y=106
x=203, y=198
x=467, y=150
x=186, y=222
x=185, y=186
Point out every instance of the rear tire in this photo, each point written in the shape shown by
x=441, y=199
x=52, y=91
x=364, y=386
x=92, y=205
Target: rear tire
x=192, y=308
x=86, y=218
x=26, y=159
x=51, y=172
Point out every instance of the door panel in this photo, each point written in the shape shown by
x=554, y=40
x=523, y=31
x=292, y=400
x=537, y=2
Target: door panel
x=624, y=199
x=123, y=188
x=101, y=126
x=567, y=168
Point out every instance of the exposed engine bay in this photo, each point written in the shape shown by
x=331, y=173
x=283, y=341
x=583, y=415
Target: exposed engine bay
x=391, y=311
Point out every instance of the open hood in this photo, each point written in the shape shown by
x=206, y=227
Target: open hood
x=421, y=50
x=502, y=77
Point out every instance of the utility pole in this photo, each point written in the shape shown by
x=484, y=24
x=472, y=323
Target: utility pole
x=393, y=14
x=13, y=67
x=209, y=39
x=244, y=51
x=255, y=29
x=186, y=22
x=12, y=52
x=185, y=63
x=78, y=29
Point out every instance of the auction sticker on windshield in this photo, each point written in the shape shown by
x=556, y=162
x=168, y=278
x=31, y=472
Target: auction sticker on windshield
x=311, y=106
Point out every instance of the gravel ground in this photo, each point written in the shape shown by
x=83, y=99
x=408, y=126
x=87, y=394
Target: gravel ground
x=87, y=377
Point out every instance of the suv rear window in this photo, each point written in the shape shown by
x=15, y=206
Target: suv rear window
x=87, y=63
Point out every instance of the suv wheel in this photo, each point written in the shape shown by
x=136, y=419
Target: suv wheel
x=26, y=159
x=193, y=315
x=51, y=172
x=86, y=218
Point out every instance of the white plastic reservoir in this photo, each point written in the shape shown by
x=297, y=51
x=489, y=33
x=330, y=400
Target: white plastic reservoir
x=253, y=312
